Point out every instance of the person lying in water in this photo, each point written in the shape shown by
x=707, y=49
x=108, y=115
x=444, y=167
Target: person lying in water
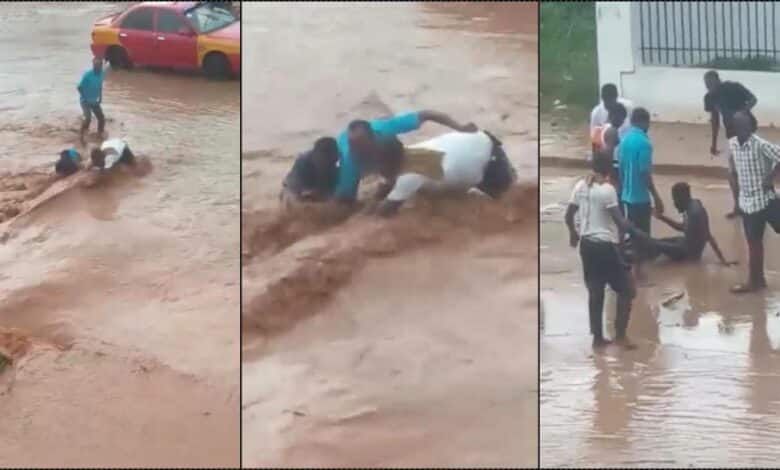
x=695, y=227
x=313, y=175
x=111, y=152
x=359, y=144
x=451, y=163
x=69, y=163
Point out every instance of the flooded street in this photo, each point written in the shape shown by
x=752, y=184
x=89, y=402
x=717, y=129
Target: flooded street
x=703, y=388
x=119, y=302
x=404, y=342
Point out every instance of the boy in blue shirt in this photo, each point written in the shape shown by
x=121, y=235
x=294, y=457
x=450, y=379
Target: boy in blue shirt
x=359, y=145
x=91, y=96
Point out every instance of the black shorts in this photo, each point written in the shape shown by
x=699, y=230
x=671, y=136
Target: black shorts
x=127, y=157
x=603, y=264
x=675, y=248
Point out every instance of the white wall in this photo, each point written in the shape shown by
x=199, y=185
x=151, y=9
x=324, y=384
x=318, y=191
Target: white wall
x=669, y=93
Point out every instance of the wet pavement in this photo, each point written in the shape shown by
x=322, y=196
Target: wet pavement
x=677, y=147
x=127, y=293
x=703, y=388
x=370, y=343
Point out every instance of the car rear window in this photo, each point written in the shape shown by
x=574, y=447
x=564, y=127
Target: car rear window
x=208, y=17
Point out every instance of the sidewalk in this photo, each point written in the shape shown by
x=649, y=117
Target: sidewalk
x=677, y=148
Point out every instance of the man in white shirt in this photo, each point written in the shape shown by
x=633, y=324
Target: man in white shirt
x=452, y=162
x=600, y=114
x=111, y=152
x=601, y=229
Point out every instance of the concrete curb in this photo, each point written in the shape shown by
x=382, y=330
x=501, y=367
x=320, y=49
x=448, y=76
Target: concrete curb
x=658, y=168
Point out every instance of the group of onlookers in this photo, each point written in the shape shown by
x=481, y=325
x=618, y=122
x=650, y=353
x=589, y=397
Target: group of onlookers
x=618, y=200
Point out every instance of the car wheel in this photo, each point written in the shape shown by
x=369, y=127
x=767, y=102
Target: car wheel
x=216, y=66
x=117, y=57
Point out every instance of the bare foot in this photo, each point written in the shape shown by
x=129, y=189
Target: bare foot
x=625, y=343
x=599, y=343
x=747, y=288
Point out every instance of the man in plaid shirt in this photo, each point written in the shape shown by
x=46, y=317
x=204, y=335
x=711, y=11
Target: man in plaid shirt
x=753, y=162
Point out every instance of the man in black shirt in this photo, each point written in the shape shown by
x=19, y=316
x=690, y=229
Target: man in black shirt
x=695, y=227
x=314, y=173
x=722, y=101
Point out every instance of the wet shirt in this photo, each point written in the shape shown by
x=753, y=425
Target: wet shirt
x=455, y=161
x=753, y=161
x=729, y=98
x=696, y=224
x=304, y=177
x=91, y=87
x=349, y=171
x=113, y=149
x=635, y=161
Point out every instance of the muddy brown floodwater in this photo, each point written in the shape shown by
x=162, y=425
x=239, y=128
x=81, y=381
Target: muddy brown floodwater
x=702, y=390
x=407, y=342
x=118, y=304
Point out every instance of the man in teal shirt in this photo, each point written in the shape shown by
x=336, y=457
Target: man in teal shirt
x=91, y=93
x=635, y=159
x=358, y=145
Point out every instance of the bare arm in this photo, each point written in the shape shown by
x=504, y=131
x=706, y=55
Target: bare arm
x=717, y=251
x=571, y=211
x=733, y=176
x=772, y=153
x=446, y=120
x=672, y=223
x=625, y=225
x=715, y=125
x=657, y=202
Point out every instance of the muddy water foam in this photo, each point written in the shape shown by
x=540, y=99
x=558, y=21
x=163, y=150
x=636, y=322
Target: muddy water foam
x=127, y=293
x=409, y=341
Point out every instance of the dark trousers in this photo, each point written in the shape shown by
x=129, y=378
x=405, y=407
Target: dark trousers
x=602, y=265
x=673, y=248
x=93, y=108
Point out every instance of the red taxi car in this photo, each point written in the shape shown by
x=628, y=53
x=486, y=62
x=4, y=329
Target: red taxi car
x=180, y=35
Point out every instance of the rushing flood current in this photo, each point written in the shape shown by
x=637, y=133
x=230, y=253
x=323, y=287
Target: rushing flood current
x=119, y=303
x=703, y=388
x=405, y=342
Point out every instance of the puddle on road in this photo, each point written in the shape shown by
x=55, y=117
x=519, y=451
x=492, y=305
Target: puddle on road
x=703, y=389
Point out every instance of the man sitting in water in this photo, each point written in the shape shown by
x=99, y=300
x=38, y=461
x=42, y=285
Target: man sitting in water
x=359, y=145
x=453, y=162
x=314, y=173
x=695, y=227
